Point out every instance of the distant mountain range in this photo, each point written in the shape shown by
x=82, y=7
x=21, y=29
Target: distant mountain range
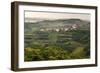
x=56, y=24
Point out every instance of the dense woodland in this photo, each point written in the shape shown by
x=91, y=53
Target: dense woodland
x=57, y=43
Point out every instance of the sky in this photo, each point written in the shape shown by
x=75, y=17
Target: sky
x=56, y=15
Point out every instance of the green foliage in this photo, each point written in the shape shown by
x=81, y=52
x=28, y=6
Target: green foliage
x=73, y=44
x=49, y=53
x=78, y=53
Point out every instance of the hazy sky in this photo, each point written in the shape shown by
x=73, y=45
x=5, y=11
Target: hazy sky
x=52, y=16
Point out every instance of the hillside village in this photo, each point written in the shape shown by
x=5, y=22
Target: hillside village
x=62, y=28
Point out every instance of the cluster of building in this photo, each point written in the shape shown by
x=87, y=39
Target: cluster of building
x=61, y=28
